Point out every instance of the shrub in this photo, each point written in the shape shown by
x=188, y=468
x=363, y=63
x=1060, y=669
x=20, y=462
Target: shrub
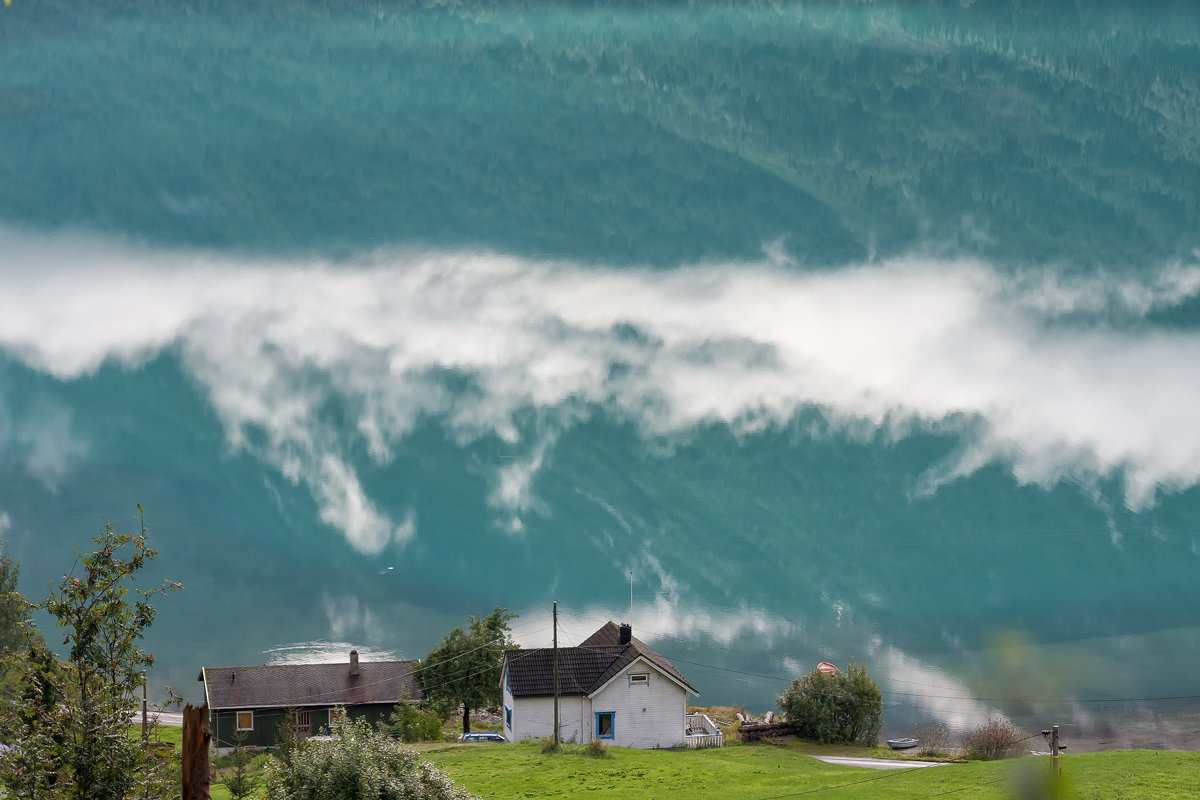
x=934, y=738
x=996, y=738
x=548, y=745
x=240, y=781
x=598, y=749
x=842, y=707
x=411, y=723
x=357, y=764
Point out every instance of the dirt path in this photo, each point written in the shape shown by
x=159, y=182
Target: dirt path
x=877, y=763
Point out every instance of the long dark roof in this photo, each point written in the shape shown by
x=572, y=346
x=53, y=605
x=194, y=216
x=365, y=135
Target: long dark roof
x=284, y=685
x=583, y=669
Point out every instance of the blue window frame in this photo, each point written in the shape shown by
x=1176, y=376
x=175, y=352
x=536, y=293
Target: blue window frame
x=508, y=717
x=606, y=725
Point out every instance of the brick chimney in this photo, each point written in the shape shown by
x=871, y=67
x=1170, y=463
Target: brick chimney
x=626, y=634
x=353, y=663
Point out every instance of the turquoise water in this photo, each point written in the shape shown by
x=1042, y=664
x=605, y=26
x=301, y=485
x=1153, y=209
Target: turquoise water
x=863, y=332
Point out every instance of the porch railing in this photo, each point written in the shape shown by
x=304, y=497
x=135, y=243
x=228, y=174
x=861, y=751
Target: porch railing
x=700, y=731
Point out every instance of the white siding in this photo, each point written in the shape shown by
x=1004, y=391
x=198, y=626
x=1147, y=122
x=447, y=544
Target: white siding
x=533, y=718
x=644, y=716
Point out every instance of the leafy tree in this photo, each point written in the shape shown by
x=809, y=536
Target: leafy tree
x=357, y=764
x=15, y=634
x=465, y=668
x=13, y=612
x=73, y=713
x=840, y=707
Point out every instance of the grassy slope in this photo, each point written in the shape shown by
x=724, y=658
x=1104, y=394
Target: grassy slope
x=767, y=771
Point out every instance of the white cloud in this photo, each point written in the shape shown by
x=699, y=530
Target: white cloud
x=1004, y=360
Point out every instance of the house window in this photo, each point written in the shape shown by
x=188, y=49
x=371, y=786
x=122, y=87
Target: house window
x=639, y=679
x=337, y=715
x=508, y=717
x=245, y=720
x=604, y=725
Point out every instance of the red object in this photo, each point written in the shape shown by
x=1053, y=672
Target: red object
x=827, y=668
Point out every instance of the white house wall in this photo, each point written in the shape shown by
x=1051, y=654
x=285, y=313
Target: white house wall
x=533, y=718
x=644, y=716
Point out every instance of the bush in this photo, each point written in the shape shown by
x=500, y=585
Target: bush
x=842, y=707
x=598, y=749
x=996, y=738
x=934, y=738
x=357, y=764
x=241, y=782
x=548, y=745
x=410, y=723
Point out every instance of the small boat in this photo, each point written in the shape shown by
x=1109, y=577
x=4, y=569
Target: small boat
x=902, y=744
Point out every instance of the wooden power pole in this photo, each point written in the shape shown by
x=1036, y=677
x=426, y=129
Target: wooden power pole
x=556, y=742
x=196, y=739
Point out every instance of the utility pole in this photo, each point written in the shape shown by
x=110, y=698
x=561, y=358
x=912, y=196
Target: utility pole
x=556, y=742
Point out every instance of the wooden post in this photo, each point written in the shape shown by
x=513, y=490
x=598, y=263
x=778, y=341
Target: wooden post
x=145, y=730
x=1056, y=768
x=556, y=742
x=196, y=739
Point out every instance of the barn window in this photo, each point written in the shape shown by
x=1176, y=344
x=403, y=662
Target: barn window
x=605, y=729
x=639, y=679
x=508, y=717
x=337, y=715
x=245, y=720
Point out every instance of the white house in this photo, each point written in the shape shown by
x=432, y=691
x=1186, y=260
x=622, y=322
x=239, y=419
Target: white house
x=612, y=687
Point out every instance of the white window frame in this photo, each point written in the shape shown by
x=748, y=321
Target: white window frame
x=237, y=720
x=639, y=679
x=336, y=716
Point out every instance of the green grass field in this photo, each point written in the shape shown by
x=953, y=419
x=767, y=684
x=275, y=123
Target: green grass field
x=758, y=772
x=764, y=771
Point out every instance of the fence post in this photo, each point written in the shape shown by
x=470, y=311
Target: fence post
x=196, y=739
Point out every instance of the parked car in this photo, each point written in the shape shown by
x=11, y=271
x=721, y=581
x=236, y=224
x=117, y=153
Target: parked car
x=482, y=736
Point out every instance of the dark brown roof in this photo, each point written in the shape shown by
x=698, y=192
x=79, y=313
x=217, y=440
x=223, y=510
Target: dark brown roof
x=583, y=669
x=284, y=685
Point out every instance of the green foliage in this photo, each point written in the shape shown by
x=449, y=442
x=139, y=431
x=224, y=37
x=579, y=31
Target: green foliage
x=13, y=612
x=287, y=735
x=411, y=723
x=547, y=745
x=72, y=715
x=14, y=628
x=839, y=707
x=241, y=781
x=598, y=749
x=357, y=764
x=465, y=668
x=996, y=738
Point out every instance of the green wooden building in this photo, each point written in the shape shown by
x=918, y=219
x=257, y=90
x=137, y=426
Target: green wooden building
x=255, y=701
